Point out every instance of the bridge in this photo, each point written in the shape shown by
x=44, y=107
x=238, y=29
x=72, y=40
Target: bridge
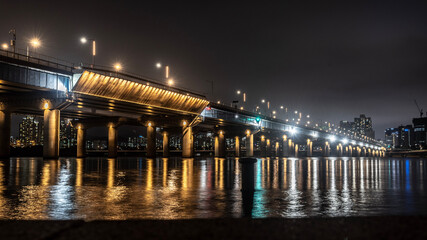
x=97, y=96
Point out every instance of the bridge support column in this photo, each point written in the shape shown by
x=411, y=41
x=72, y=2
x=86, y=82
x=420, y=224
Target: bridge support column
x=51, y=134
x=249, y=144
x=220, y=144
x=276, y=149
x=285, y=147
x=187, y=142
x=339, y=150
x=263, y=146
x=81, y=141
x=363, y=152
x=112, y=140
x=4, y=134
x=296, y=149
x=309, y=148
x=151, y=140
x=165, y=144
x=326, y=149
x=237, y=146
x=267, y=148
x=358, y=151
x=349, y=151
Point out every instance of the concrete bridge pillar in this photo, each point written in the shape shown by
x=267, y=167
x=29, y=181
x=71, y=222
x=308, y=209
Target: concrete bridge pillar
x=220, y=144
x=165, y=144
x=112, y=140
x=309, y=148
x=296, y=150
x=339, y=150
x=81, y=141
x=276, y=149
x=267, y=148
x=285, y=147
x=358, y=151
x=237, y=146
x=187, y=142
x=263, y=146
x=349, y=151
x=363, y=152
x=4, y=134
x=291, y=148
x=326, y=149
x=249, y=144
x=51, y=133
x=151, y=140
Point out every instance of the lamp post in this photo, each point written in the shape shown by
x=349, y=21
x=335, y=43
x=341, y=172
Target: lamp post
x=35, y=43
x=169, y=81
x=84, y=40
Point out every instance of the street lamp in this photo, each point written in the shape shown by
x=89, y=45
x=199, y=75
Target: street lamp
x=5, y=46
x=35, y=43
x=84, y=40
x=118, y=67
x=171, y=82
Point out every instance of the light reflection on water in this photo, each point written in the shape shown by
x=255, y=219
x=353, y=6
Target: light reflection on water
x=162, y=188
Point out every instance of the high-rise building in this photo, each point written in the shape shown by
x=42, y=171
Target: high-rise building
x=363, y=126
x=392, y=137
x=67, y=134
x=406, y=138
x=420, y=133
x=30, y=131
x=346, y=125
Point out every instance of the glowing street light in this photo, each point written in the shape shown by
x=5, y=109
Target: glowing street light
x=171, y=82
x=5, y=46
x=84, y=40
x=117, y=66
x=158, y=65
x=35, y=43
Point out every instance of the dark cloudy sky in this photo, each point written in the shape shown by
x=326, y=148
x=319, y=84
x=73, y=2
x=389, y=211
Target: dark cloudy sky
x=332, y=61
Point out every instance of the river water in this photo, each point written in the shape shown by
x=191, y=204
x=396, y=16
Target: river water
x=176, y=188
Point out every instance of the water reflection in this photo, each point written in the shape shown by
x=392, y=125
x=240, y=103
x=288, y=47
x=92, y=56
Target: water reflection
x=171, y=188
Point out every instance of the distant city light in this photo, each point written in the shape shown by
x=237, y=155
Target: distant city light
x=332, y=138
x=5, y=46
x=238, y=92
x=158, y=65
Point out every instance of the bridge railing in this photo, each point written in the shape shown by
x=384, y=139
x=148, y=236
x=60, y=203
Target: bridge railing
x=247, y=118
x=36, y=58
x=34, y=77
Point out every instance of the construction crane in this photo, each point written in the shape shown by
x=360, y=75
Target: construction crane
x=420, y=110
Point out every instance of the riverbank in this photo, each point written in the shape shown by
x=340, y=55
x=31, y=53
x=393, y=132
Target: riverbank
x=391, y=227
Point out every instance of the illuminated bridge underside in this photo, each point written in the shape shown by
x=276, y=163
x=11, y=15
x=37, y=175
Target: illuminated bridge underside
x=113, y=88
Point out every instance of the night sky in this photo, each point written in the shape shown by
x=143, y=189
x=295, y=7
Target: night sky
x=331, y=61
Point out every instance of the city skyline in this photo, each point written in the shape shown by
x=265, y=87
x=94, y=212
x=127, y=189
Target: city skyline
x=351, y=61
